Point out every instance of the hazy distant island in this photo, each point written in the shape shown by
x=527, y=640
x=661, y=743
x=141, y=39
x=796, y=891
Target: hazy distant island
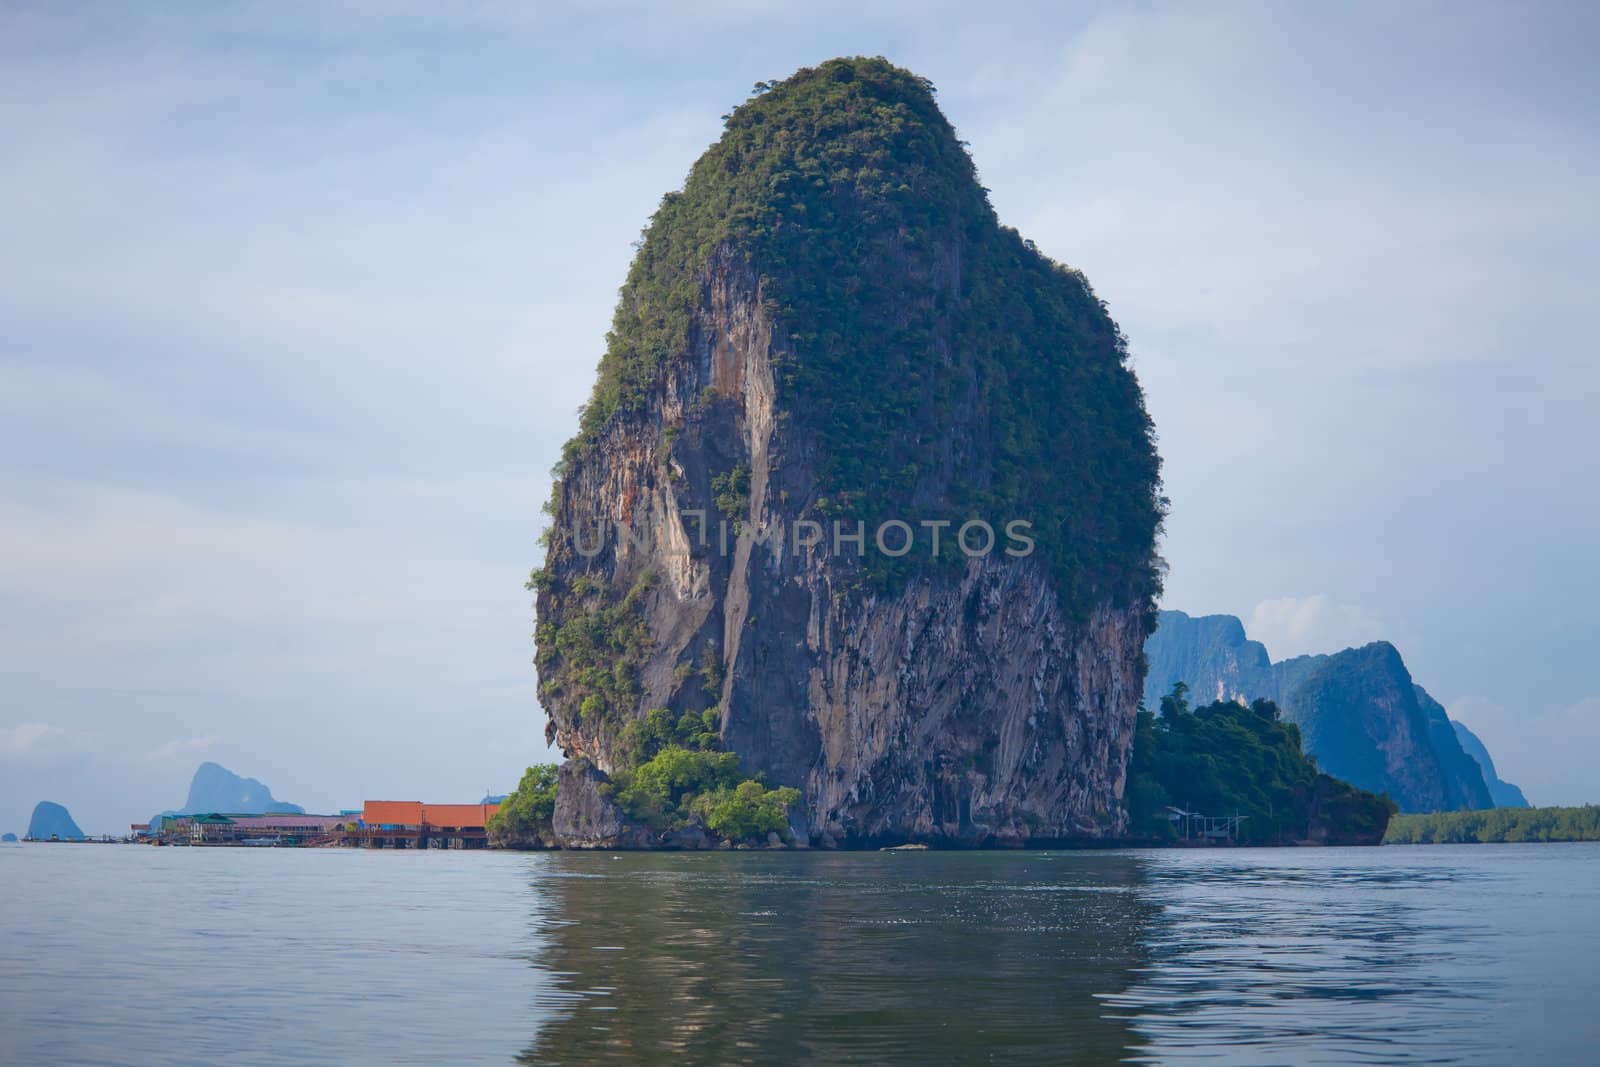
x=8, y=837
x=1504, y=794
x=52, y=821
x=214, y=788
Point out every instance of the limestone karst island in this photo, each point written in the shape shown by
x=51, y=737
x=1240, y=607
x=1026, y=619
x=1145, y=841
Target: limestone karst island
x=567, y=534
x=828, y=333
x=855, y=543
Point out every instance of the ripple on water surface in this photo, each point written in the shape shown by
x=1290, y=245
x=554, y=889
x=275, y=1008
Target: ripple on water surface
x=1475, y=954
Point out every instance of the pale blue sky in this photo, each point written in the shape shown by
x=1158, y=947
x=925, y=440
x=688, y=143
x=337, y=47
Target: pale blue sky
x=297, y=304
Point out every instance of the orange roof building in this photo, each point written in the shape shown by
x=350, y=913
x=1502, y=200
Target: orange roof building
x=414, y=813
x=459, y=816
x=392, y=813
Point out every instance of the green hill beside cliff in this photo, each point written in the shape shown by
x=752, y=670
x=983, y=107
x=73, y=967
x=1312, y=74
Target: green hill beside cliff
x=1227, y=759
x=1359, y=710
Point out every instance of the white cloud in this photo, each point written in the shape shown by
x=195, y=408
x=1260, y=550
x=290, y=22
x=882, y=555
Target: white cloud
x=183, y=748
x=41, y=741
x=21, y=739
x=168, y=593
x=1551, y=755
x=1298, y=626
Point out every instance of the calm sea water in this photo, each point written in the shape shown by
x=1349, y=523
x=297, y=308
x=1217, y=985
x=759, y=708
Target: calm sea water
x=128, y=955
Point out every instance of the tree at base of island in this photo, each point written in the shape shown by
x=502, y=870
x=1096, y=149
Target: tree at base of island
x=1226, y=759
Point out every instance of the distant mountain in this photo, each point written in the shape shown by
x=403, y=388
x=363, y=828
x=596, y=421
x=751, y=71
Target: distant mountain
x=1359, y=711
x=52, y=820
x=215, y=788
x=494, y=798
x=1361, y=717
x=1208, y=653
x=8, y=838
x=1505, y=794
x=1463, y=774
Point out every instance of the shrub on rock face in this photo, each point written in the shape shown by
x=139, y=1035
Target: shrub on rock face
x=660, y=791
x=677, y=787
x=694, y=730
x=748, y=810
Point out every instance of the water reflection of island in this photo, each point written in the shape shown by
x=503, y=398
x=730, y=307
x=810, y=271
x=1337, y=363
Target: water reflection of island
x=856, y=956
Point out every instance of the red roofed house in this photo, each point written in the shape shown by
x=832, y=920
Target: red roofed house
x=458, y=816
x=399, y=814
x=413, y=824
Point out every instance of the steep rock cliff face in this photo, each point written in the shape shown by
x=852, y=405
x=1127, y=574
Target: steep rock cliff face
x=749, y=392
x=1466, y=784
x=1359, y=713
x=1208, y=653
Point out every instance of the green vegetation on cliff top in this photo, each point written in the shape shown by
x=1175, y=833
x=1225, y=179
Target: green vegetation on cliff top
x=1229, y=759
x=938, y=358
